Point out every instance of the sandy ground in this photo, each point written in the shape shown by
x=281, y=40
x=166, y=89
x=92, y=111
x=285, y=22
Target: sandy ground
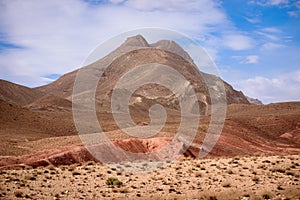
x=255, y=177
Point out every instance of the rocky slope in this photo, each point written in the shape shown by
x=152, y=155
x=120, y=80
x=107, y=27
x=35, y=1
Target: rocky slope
x=39, y=119
x=18, y=94
x=140, y=52
x=254, y=101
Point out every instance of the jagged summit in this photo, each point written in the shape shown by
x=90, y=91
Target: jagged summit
x=254, y=101
x=164, y=51
x=137, y=40
x=173, y=47
x=169, y=45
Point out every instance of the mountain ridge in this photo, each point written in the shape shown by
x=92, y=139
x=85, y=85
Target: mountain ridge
x=63, y=86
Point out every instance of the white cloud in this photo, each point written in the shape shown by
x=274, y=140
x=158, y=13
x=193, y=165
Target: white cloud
x=270, y=33
x=271, y=46
x=267, y=35
x=238, y=42
x=58, y=35
x=277, y=2
x=292, y=6
x=284, y=87
x=272, y=30
x=171, y=5
x=269, y=2
x=272, y=38
x=116, y=1
x=252, y=59
x=295, y=13
x=253, y=20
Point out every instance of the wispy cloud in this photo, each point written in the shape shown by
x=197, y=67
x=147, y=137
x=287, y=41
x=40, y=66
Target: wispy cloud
x=277, y=2
x=252, y=59
x=270, y=33
x=293, y=6
x=56, y=36
x=169, y=5
x=253, y=20
x=271, y=46
x=272, y=38
x=271, y=30
x=267, y=35
x=269, y=2
x=238, y=42
x=284, y=87
x=116, y=1
x=294, y=13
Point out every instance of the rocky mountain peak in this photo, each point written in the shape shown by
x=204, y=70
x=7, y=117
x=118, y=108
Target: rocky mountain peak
x=254, y=101
x=137, y=40
x=173, y=47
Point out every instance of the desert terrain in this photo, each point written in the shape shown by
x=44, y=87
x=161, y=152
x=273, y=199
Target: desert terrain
x=43, y=157
x=239, y=177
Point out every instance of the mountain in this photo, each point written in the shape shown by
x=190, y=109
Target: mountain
x=140, y=52
x=50, y=101
x=36, y=113
x=249, y=130
x=18, y=94
x=20, y=125
x=62, y=87
x=254, y=101
x=38, y=119
x=135, y=41
x=173, y=47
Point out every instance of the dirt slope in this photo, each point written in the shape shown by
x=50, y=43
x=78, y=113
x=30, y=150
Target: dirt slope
x=51, y=102
x=18, y=94
x=21, y=125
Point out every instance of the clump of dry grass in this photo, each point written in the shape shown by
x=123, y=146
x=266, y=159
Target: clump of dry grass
x=111, y=181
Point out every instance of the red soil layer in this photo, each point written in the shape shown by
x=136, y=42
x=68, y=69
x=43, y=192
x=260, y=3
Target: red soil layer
x=80, y=154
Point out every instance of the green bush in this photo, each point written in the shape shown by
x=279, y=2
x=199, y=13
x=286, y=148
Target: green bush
x=113, y=182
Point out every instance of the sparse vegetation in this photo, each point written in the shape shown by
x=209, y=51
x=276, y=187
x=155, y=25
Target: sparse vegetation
x=183, y=179
x=113, y=182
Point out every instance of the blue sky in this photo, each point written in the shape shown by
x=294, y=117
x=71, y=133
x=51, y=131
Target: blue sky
x=255, y=44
